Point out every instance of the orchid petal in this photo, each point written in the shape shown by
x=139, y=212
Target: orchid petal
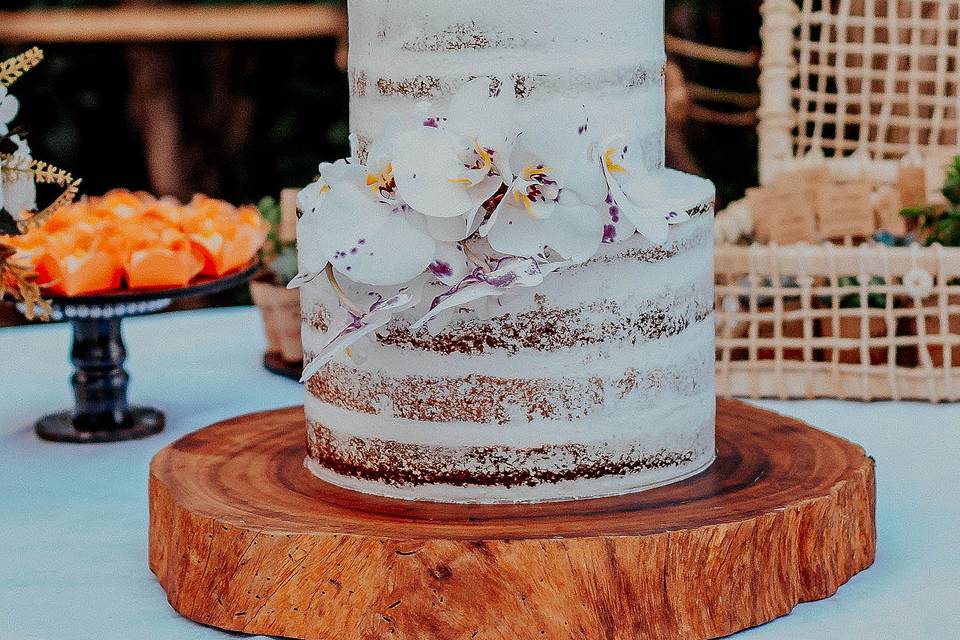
x=616, y=226
x=494, y=216
x=341, y=171
x=646, y=189
x=311, y=258
x=575, y=232
x=8, y=109
x=424, y=172
x=379, y=315
x=453, y=229
x=512, y=272
x=479, y=284
x=651, y=196
x=651, y=225
x=450, y=264
x=361, y=237
x=302, y=279
x=474, y=112
x=448, y=229
x=485, y=189
x=310, y=197
x=586, y=178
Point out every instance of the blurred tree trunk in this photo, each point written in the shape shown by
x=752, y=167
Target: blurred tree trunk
x=678, y=107
x=195, y=142
x=155, y=109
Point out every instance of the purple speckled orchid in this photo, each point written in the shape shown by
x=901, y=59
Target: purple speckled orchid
x=574, y=230
x=367, y=238
x=362, y=323
x=431, y=177
x=505, y=274
x=639, y=200
x=18, y=190
x=551, y=202
x=8, y=109
x=450, y=263
x=448, y=168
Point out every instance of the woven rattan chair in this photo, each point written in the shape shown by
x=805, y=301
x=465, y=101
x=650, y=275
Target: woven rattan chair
x=863, y=87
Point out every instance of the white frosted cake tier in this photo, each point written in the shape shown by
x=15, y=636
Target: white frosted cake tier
x=598, y=382
x=606, y=54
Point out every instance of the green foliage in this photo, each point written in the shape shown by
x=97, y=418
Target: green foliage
x=284, y=266
x=280, y=257
x=854, y=301
x=951, y=186
x=270, y=211
x=936, y=224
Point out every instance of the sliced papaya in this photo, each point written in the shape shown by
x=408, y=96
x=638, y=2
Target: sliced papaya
x=97, y=243
x=79, y=274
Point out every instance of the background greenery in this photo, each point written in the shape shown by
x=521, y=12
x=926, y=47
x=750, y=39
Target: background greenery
x=76, y=110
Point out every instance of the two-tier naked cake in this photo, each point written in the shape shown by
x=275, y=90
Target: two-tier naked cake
x=506, y=296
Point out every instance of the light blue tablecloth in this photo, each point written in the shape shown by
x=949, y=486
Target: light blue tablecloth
x=73, y=518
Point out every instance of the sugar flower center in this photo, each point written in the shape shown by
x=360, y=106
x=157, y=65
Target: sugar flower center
x=482, y=165
x=382, y=183
x=537, y=187
x=612, y=165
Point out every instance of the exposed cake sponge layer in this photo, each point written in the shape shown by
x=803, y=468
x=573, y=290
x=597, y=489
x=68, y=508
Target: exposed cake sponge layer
x=599, y=381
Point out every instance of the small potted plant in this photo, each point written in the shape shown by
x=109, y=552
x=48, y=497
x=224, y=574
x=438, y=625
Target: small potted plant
x=850, y=326
x=279, y=306
x=788, y=328
x=941, y=225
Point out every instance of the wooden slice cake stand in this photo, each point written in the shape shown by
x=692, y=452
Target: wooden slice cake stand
x=244, y=538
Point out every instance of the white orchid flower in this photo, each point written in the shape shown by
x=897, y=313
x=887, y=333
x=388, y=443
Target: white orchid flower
x=487, y=126
x=365, y=238
x=362, y=324
x=8, y=110
x=378, y=168
x=351, y=216
x=639, y=199
x=448, y=168
x=18, y=191
x=556, y=180
x=574, y=230
x=309, y=223
x=430, y=176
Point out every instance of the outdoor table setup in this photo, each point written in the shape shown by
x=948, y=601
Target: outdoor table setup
x=509, y=374
x=75, y=516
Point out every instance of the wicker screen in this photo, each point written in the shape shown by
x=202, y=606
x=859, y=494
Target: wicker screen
x=823, y=321
x=878, y=76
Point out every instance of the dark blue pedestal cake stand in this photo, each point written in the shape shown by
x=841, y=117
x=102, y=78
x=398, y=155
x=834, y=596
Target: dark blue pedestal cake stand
x=101, y=412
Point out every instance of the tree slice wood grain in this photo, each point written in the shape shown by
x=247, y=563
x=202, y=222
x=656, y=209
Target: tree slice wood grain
x=244, y=538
